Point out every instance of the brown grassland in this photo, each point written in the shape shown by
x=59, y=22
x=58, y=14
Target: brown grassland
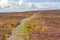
x=48, y=18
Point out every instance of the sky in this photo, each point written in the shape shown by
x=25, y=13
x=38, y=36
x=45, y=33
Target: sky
x=28, y=5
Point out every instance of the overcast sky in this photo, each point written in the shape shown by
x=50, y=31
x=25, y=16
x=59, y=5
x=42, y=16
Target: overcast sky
x=28, y=5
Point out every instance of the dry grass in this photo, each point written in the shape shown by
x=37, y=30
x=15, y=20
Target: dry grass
x=47, y=19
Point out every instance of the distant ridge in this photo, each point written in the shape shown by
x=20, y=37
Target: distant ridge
x=32, y=11
x=41, y=12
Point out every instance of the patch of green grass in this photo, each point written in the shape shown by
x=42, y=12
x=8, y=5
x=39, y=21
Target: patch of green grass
x=58, y=14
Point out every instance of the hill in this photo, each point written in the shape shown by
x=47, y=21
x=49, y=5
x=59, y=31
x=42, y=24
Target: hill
x=48, y=18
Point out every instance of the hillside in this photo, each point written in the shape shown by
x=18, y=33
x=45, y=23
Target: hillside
x=45, y=18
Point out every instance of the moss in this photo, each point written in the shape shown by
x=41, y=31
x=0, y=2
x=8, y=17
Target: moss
x=58, y=14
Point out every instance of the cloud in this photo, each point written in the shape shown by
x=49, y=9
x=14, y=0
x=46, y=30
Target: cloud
x=22, y=5
x=21, y=2
x=8, y=4
x=3, y=3
x=40, y=5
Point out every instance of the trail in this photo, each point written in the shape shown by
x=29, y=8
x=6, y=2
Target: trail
x=21, y=32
